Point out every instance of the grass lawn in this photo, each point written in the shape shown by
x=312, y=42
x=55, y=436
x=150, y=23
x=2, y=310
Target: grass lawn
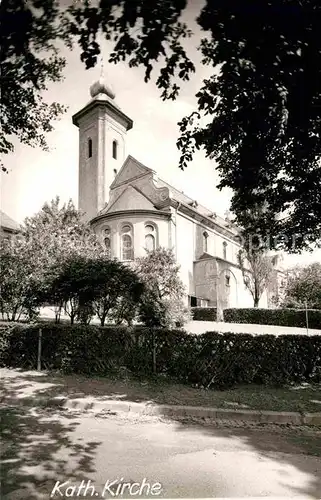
x=306, y=398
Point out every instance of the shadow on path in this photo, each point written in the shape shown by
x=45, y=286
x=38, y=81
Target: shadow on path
x=35, y=439
x=37, y=450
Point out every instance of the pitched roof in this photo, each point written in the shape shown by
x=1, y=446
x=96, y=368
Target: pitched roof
x=139, y=170
x=130, y=170
x=7, y=223
x=183, y=198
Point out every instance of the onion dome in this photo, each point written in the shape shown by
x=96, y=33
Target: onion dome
x=101, y=87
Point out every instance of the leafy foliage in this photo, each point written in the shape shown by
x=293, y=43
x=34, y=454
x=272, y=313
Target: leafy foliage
x=211, y=360
x=30, y=36
x=280, y=317
x=162, y=302
x=257, y=316
x=262, y=105
x=304, y=286
x=117, y=291
x=257, y=269
x=32, y=259
x=85, y=287
x=141, y=32
x=17, y=283
x=204, y=313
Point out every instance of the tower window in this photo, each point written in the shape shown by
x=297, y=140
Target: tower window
x=90, y=148
x=127, y=250
x=115, y=147
x=205, y=241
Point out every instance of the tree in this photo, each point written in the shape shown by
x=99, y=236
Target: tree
x=114, y=290
x=162, y=302
x=257, y=269
x=304, y=287
x=87, y=286
x=262, y=104
x=57, y=230
x=49, y=238
x=66, y=287
x=17, y=287
x=29, y=60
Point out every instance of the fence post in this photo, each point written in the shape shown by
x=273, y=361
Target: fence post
x=307, y=316
x=154, y=350
x=39, y=350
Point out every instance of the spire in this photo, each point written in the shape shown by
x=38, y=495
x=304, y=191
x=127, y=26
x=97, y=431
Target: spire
x=100, y=86
x=102, y=68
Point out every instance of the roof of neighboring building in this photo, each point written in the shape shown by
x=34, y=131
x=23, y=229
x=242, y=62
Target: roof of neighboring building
x=7, y=223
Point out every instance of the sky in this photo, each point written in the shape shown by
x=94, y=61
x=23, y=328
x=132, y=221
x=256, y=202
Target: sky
x=36, y=176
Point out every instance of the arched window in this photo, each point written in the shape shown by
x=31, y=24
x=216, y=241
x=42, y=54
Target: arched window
x=150, y=237
x=107, y=245
x=205, y=240
x=127, y=250
x=107, y=240
x=90, y=148
x=115, y=147
x=224, y=250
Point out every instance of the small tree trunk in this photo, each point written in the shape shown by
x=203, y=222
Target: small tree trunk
x=57, y=314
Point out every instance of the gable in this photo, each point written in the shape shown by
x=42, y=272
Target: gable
x=131, y=169
x=130, y=199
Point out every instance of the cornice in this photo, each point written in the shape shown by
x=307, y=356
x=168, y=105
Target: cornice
x=131, y=213
x=127, y=181
x=102, y=103
x=227, y=262
x=203, y=219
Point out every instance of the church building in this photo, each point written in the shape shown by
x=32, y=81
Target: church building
x=134, y=211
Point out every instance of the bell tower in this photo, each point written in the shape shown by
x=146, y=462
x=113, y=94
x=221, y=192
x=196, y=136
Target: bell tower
x=102, y=147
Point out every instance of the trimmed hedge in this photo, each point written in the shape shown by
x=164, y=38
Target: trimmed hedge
x=280, y=317
x=208, y=360
x=204, y=313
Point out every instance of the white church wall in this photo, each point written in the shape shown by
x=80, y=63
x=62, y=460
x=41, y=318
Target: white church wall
x=130, y=199
x=185, y=250
x=243, y=296
x=138, y=223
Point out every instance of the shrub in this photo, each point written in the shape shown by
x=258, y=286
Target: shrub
x=204, y=313
x=162, y=304
x=279, y=317
x=208, y=360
